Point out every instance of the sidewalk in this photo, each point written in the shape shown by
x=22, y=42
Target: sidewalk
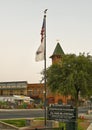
x=25, y=128
x=90, y=127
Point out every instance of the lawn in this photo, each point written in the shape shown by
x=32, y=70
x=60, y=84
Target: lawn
x=17, y=123
x=82, y=124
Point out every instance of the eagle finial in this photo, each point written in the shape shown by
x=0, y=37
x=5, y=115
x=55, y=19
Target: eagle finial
x=45, y=11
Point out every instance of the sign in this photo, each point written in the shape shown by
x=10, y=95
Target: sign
x=64, y=113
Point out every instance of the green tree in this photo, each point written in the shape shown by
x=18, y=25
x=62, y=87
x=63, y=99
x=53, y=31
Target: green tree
x=71, y=76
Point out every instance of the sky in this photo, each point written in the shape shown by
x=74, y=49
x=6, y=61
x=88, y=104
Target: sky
x=68, y=22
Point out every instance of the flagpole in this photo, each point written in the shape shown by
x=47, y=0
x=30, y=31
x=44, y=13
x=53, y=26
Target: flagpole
x=45, y=113
x=41, y=55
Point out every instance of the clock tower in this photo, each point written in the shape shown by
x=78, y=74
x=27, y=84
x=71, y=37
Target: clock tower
x=57, y=54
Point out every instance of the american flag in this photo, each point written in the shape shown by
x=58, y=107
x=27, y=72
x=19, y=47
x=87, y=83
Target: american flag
x=43, y=31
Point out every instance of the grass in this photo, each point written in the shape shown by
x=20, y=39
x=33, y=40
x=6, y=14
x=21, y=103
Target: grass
x=82, y=124
x=18, y=123
x=64, y=125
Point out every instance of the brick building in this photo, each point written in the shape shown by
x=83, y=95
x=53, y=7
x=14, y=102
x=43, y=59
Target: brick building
x=35, y=91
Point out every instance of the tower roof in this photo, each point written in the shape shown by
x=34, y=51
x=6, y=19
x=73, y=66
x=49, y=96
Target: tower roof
x=58, y=51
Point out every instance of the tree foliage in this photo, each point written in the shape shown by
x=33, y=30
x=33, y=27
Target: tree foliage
x=71, y=76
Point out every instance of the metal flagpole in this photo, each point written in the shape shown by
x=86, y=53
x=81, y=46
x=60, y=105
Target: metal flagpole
x=45, y=113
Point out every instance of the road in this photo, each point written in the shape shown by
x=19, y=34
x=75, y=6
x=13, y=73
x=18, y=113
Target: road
x=84, y=109
x=30, y=113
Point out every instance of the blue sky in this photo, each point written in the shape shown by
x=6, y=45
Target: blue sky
x=69, y=21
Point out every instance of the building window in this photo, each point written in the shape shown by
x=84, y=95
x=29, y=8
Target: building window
x=35, y=91
x=11, y=92
x=21, y=92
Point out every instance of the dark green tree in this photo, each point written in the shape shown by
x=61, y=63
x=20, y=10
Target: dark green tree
x=71, y=76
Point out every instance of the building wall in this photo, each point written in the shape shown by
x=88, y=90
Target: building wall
x=13, y=88
x=36, y=91
x=56, y=59
x=13, y=92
